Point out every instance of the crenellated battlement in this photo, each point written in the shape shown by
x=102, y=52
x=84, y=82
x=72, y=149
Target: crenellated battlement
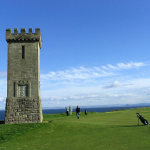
x=23, y=36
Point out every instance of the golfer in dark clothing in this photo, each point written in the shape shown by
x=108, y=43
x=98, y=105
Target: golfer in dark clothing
x=78, y=111
x=85, y=112
x=67, y=111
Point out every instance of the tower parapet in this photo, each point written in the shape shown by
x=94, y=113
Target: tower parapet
x=23, y=36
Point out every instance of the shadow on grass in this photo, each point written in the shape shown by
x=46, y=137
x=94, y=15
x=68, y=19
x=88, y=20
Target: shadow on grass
x=128, y=126
x=2, y=122
x=132, y=125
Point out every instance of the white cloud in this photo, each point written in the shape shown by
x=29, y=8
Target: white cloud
x=3, y=87
x=131, y=65
x=1, y=98
x=114, y=84
x=83, y=73
x=100, y=99
x=3, y=74
x=124, y=66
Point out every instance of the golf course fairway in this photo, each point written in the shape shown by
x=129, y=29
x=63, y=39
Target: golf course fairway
x=115, y=130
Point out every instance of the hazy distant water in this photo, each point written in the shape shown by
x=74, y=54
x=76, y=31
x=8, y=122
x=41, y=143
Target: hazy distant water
x=100, y=110
x=2, y=114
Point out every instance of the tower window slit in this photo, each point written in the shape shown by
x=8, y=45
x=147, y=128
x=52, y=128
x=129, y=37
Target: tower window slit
x=23, y=52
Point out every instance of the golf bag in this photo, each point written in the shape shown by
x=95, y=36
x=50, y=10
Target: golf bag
x=144, y=121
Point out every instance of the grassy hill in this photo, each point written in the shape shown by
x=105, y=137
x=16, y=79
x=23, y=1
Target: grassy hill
x=116, y=130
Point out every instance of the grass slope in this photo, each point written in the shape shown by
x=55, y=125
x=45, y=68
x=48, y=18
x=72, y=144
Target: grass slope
x=117, y=130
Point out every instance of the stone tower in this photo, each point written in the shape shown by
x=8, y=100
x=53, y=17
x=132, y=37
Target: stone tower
x=23, y=102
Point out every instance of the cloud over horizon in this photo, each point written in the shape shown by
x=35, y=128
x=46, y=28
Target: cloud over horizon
x=77, y=84
x=109, y=84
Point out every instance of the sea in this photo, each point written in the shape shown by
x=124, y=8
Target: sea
x=99, y=110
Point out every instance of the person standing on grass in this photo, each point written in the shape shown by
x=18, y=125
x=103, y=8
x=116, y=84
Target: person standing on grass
x=67, y=111
x=78, y=111
x=70, y=110
x=85, y=112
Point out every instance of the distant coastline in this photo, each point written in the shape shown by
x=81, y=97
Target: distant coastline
x=89, y=109
x=104, y=106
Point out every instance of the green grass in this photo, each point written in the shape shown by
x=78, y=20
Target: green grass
x=117, y=130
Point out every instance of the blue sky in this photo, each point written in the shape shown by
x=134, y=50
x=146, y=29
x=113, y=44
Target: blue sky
x=94, y=52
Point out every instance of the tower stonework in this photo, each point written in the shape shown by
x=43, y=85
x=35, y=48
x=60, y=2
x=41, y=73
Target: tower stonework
x=23, y=102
